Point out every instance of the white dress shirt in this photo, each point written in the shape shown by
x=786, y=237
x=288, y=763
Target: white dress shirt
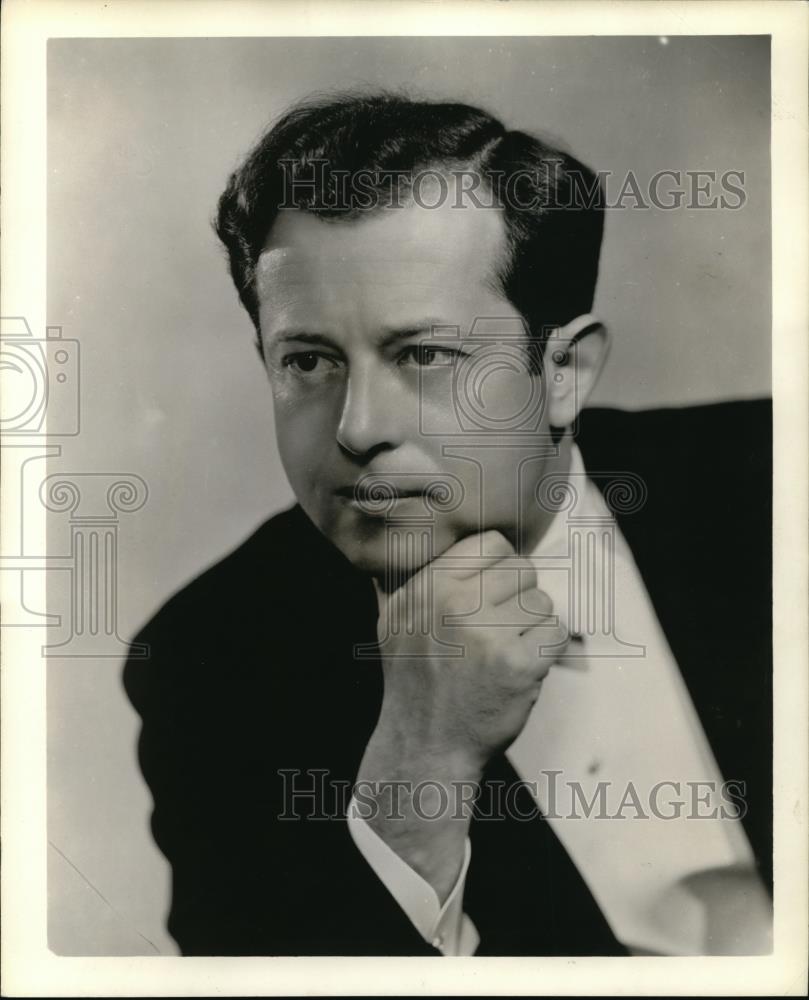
x=446, y=927
x=614, y=709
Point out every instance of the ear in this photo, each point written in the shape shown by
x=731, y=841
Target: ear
x=574, y=357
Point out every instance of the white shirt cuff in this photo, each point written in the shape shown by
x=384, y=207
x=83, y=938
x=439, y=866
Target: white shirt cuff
x=446, y=927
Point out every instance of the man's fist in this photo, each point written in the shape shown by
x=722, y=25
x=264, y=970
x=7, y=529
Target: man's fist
x=465, y=645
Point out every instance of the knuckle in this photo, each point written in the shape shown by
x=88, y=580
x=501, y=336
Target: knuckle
x=497, y=543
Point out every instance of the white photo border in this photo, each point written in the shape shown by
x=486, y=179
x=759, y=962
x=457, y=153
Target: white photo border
x=28, y=967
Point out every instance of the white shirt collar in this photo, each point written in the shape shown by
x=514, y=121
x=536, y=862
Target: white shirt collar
x=587, y=501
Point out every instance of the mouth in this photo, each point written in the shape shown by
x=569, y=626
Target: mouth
x=372, y=492
x=377, y=496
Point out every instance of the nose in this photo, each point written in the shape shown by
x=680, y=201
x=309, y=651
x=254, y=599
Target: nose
x=370, y=420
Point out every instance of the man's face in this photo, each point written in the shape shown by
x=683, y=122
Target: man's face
x=370, y=391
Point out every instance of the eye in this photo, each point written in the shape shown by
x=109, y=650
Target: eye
x=309, y=362
x=428, y=355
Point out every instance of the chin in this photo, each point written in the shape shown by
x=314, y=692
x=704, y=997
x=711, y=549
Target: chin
x=390, y=553
x=389, y=558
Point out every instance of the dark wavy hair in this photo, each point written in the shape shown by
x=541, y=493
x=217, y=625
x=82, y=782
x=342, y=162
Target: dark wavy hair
x=552, y=204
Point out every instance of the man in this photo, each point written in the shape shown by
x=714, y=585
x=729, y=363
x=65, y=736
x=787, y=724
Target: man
x=457, y=612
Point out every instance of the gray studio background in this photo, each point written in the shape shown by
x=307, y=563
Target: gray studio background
x=142, y=134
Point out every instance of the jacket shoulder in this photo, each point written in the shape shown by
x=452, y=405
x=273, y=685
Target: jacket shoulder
x=740, y=426
x=263, y=569
x=219, y=615
x=693, y=460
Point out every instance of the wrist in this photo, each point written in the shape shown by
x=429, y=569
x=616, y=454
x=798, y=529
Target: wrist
x=396, y=753
x=419, y=804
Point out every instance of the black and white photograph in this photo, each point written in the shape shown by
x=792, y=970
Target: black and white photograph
x=392, y=505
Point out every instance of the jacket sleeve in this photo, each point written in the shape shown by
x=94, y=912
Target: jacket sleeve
x=244, y=881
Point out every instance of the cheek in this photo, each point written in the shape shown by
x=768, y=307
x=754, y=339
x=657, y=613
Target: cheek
x=302, y=433
x=496, y=488
x=486, y=394
x=438, y=411
x=500, y=500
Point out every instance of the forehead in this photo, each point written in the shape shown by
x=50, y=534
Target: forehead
x=395, y=259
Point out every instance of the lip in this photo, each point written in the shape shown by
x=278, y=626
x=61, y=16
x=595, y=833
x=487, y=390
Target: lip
x=383, y=491
x=377, y=499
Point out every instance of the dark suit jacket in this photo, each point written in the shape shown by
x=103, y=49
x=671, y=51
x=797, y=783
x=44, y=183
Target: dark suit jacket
x=251, y=672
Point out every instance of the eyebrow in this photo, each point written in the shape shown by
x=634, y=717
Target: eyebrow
x=421, y=327
x=303, y=335
x=390, y=336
